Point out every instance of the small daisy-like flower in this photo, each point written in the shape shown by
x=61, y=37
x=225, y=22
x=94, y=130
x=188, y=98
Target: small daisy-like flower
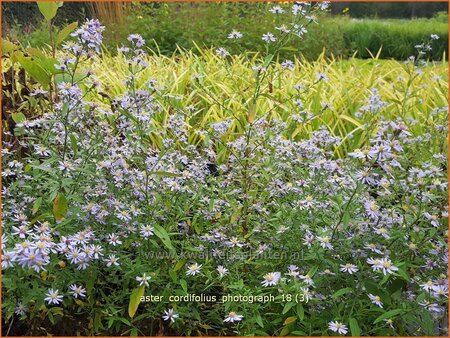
x=350, y=268
x=222, y=52
x=321, y=77
x=387, y=267
x=276, y=10
x=147, y=231
x=434, y=36
x=440, y=291
x=272, y=278
x=222, y=270
x=288, y=64
x=390, y=323
x=235, y=35
x=376, y=300
x=376, y=263
x=307, y=279
x=77, y=291
x=53, y=297
x=233, y=317
x=143, y=280
x=111, y=260
x=193, y=269
x=114, y=240
x=337, y=327
x=269, y=37
x=428, y=286
x=325, y=242
x=170, y=315
x=20, y=309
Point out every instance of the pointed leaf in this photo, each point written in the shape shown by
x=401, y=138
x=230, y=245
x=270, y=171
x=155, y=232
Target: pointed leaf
x=388, y=315
x=64, y=33
x=354, y=327
x=290, y=320
x=135, y=299
x=60, y=207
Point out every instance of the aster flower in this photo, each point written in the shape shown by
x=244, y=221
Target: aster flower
x=428, y=286
x=114, y=240
x=20, y=309
x=90, y=34
x=53, y=297
x=136, y=39
x=325, y=242
x=233, y=317
x=222, y=52
x=77, y=291
x=387, y=267
x=143, y=280
x=350, y=268
x=222, y=270
x=272, y=278
x=376, y=300
x=376, y=263
x=269, y=37
x=111, y=260
x=288, y=64
x=438, y=291
x=170, y=315
x=337, y=327
x=235, y=35
x=193, y=269
x=307, y=279
x=276, y=10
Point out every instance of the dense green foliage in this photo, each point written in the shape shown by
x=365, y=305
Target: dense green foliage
x=168, y=26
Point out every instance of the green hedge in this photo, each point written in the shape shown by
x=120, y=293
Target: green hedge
x=168, y=25
x=208, y=24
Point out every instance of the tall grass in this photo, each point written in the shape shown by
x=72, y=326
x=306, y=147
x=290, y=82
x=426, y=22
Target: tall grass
x=225, y=88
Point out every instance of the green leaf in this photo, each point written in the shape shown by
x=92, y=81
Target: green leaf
x=174, y=276
x=312, y=271
x=64, y=33
x=388, y=315
x=8, y=47
x=402, y=273
x=287, y=307
x=259, y=320
x=60, y=207
x=345, y=219
x=290, y=320
x=74, y=145
x=162, y=234
x=33, y=68
x=18, y=117
x=135, y=299
x=300, y=311
x=179, y=265
x=36, y=205
x=354, y=327
x=48, y=9
x=183, y=284
x=251, y=113
x=342, y=292
x=268, y=60
x=299, y=333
